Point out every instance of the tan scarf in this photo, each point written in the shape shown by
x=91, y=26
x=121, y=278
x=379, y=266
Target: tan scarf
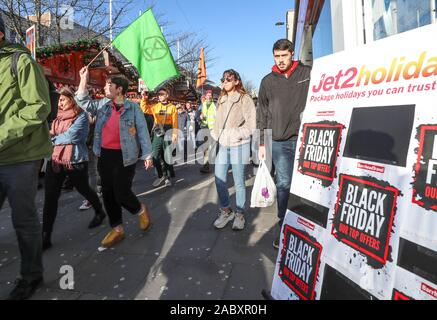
x=62, y=154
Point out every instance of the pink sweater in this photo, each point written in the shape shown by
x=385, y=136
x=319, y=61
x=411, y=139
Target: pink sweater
x=111, y=130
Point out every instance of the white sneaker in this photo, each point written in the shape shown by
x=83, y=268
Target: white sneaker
x=239, y=221
x=158, y=182
x=85, y=205
x=223, y=219
x=168, y=182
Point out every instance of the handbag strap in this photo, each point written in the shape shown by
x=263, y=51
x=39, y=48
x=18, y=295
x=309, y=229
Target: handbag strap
x=224, y=125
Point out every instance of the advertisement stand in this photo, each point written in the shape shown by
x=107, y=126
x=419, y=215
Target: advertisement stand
x=362, y=216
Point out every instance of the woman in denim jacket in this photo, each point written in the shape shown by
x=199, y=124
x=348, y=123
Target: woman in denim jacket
x=120, y=133
x=70, y=157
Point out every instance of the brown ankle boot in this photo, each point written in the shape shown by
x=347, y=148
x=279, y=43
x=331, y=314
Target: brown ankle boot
x=144, y=217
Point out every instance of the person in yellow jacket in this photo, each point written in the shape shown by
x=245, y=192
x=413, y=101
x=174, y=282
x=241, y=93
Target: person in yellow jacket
x=165, y=118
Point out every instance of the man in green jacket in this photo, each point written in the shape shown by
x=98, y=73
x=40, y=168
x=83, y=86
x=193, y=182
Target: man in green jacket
x=24, y=142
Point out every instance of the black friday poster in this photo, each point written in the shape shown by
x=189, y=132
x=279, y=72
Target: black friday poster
x=412, y=92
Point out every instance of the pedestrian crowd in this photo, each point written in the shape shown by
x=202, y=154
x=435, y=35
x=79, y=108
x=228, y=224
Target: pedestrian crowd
x=218, y=133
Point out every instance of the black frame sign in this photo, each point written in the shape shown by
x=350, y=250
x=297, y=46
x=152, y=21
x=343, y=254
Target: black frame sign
x=364, y=215
x=319, y=150
x=300, y=262
x=425, y=178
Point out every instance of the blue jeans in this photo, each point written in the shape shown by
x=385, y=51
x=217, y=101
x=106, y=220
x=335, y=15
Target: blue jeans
x=283, y=159
x=18, y=183
x=238, y=157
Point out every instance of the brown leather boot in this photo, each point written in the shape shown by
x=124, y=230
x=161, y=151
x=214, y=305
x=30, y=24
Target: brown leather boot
x=112, y=238
x=144, y=217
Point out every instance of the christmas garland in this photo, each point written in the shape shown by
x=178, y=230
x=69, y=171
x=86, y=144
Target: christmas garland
x=47, y=52
x=82, y=45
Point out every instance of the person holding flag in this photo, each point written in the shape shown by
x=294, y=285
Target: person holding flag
x=120, y=124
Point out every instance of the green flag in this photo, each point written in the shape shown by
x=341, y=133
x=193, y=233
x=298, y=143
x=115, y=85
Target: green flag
x=144, y=45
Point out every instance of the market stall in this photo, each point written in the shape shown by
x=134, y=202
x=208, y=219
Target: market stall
x=61, y=64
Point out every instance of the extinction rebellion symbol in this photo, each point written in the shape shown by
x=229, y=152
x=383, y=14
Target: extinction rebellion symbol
x=155, y=48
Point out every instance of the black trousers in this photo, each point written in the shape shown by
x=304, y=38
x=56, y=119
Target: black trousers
x=117, y=185
x=53, y=185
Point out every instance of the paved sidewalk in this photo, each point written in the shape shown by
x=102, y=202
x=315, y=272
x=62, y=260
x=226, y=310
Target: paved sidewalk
x=181, y=256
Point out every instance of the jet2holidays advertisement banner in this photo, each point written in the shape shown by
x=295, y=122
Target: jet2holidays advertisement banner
x=362, y=218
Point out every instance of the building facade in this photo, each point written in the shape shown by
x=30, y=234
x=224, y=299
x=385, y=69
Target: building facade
x=357, y=22
x=346, y=24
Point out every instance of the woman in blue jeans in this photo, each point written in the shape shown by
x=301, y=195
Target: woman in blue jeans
x=234, y=124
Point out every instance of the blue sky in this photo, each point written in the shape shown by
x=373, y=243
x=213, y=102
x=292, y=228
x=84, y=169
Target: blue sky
x=242, y=32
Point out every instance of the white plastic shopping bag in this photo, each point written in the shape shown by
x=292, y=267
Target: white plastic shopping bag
x=264, y=189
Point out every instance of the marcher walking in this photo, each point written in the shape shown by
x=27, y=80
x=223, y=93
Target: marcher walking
x=69, y=133
x=234, y=125
x=166, y=118
x=120, y=130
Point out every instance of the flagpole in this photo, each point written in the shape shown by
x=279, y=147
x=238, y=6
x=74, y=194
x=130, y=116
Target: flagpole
x=106, y=47
x=110, y=20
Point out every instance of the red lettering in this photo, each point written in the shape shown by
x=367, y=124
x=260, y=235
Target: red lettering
x=354, y=234
x=429, y=290
x=370, y=241
x=317, y=89
x=348, y=83
x=431, y=192
x=329, y=83
x=302, y=285
x=344, y=228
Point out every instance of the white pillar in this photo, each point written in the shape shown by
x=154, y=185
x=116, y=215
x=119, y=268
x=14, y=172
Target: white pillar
x=290, y=24
x=347, y=24
x=110, y=20
x=369, y=24
x=433, y=11
x=178, y=49
x=306, y=50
